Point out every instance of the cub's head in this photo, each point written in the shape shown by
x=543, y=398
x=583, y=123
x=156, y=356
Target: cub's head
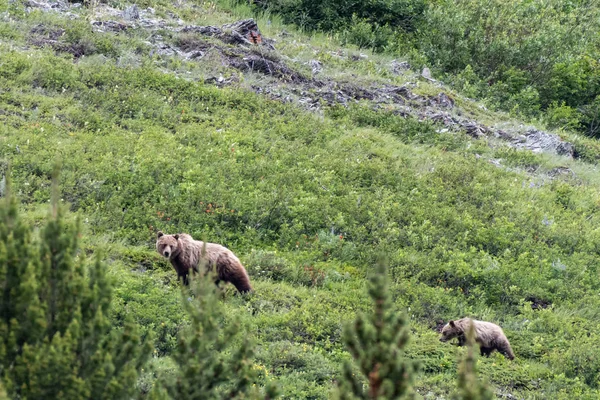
x=166, y=245
x=450, y=331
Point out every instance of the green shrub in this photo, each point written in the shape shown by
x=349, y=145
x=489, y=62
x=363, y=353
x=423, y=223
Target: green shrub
x=57, y=339
x=332, y=15
x=563, y=116
x=213, y=362
x=311, y=200
x=375, y=341
x=528, y=55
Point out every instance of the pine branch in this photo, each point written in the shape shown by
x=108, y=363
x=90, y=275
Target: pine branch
x=375, y=342
x=469, y=388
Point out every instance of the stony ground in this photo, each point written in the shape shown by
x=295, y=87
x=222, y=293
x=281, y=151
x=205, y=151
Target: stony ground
x=239, y=45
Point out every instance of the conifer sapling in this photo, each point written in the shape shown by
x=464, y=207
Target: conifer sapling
x=375, y=341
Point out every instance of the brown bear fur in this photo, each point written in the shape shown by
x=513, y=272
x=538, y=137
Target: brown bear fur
x=489, y=336
x=185, y=253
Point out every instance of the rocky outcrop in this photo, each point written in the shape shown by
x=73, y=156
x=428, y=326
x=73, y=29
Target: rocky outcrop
x=242, y=46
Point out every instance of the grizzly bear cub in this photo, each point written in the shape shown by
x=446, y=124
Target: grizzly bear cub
x=489, y=336
x=185, y=253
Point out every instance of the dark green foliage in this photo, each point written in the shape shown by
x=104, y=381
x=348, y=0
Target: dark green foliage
x=469, y=387
x=214, y=359
x=307, y=202
x=525, y=57
x=368, y=24
x=57, y=338
x=375, y=341
x=590, y=117
x=332, y=15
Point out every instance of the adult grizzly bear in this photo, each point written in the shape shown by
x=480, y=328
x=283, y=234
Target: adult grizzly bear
x=185, y=253
x=489, y=336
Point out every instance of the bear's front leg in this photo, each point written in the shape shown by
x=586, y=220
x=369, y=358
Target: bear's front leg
x=183, y=278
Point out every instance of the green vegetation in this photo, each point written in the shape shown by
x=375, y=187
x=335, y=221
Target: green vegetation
x=210, y=365
x=375, y=342
x=533, y=58
x=307, y=201
x=57, y=339
x=368, y=24
x=469, y=388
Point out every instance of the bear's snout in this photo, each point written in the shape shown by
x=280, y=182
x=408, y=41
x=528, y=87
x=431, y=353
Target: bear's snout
x=167, y=254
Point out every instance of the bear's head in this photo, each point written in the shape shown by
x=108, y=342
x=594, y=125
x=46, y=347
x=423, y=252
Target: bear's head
x=450, y=331
x=166, y=245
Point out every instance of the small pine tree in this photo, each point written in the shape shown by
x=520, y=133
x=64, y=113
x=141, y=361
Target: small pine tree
x=469, y=388
x=56, y=340
x=213, y=361
x=375, y=341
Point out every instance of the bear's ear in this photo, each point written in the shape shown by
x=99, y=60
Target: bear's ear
x=452, y=324
x=176, y=236
x=159, y=234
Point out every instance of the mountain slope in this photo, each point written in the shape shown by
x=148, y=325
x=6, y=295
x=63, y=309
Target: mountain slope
x=308, y=160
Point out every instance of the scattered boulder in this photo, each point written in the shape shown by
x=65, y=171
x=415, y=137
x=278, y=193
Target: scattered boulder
x=109, y=26
x=475, y=130
x=539, y=141
x=400, y=93
x=315, y=66
x=442, y=100
x=244, y=32
x=56, y=5
x=399, y=67
x=131, y=13
x=239, y=49
x=263, y=65
x=426, y=73
x=499, y=133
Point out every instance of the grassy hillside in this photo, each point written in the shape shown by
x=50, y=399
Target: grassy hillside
x=535, y=58
x=307, y=197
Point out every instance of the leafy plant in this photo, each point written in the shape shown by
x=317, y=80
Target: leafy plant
x=57, y=338
x=375, y=342
x=469, y=387
x=213, y=359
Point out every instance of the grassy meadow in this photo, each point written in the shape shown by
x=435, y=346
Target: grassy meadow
x=307, y=200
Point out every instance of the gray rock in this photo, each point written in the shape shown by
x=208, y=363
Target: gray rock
x=109, y=26
x=131, y=13
x=474, y=129
x=315, y=66
x=443, y=100
x=398, y=67
x=562, y=171
x=540, y=141
x=426, y=73
x=565, y=149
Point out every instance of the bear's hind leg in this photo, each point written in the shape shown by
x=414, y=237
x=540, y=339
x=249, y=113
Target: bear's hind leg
x=506, y=351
